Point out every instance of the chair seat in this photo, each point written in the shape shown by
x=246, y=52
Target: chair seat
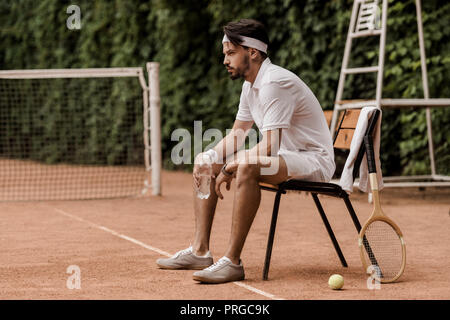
x=331, y=189
x=268, y=186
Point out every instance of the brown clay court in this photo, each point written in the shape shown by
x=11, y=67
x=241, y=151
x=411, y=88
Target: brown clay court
x=115, y=244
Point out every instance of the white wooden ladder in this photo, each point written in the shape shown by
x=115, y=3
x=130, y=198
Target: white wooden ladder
x=368, y=19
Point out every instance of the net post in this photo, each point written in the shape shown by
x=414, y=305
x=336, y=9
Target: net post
x=155, y=126
x=146, y=138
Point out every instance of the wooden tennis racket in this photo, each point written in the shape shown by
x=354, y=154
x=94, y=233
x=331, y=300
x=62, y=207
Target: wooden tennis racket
x=382, y=249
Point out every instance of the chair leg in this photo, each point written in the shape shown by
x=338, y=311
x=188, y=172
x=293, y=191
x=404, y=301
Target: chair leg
x=358, y=228
x=352, y=213
x=273, y=225
x=330, y=231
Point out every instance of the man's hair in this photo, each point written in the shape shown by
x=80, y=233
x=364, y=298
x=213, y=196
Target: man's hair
x=247, y=28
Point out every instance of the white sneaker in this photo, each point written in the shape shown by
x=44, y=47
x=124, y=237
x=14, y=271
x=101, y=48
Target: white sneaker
x=221, y=271
x=186, y=259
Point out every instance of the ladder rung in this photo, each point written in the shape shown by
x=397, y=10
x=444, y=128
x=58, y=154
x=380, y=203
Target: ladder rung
x=368, y=8
x=360, y=70
x=366, y=33
x=351, y=104
x=388, y=102
x=435, y=102
x=366, y=18
x=365, y=23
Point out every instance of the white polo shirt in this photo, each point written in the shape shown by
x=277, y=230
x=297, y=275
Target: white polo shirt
x=280, y=99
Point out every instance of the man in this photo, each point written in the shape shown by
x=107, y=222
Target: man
x=296, y=143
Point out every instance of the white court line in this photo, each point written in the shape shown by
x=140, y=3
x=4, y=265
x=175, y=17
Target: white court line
x=114, y=233
x=253, y=289
x=151, y=248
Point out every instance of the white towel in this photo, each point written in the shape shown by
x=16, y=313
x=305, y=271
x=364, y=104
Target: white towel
x=346, y=181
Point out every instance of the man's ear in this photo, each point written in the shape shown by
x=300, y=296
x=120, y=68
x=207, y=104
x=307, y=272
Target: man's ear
x=254, y=54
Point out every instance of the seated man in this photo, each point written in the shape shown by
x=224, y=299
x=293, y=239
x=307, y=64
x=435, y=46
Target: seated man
x=296, y=144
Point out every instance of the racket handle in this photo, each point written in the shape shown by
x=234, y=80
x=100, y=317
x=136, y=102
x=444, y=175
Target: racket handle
x=368, y=141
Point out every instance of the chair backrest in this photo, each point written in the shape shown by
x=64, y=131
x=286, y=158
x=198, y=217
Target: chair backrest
x=344, y=133
x=347, y=124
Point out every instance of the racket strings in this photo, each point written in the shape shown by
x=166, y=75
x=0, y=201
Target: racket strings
x=383, y=250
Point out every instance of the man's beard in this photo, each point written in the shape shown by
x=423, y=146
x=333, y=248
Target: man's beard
x=240, y=72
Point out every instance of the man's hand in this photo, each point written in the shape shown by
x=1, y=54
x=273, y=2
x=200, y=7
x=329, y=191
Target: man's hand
x=196, y=171
x=232, y=168
x=222, y=178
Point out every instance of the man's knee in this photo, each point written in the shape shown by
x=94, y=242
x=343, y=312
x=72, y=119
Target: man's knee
x=247, y=171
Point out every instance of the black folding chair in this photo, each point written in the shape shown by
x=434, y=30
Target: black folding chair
x=342, y=140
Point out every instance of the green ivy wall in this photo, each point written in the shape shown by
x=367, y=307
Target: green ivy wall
x=307, y=37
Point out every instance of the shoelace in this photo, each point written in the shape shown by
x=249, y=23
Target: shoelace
x=217, y=264
x=183, y=252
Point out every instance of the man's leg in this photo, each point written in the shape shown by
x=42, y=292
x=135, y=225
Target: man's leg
x=246, y=203
x=196, y=257
x=247, y=199
x=204, y=210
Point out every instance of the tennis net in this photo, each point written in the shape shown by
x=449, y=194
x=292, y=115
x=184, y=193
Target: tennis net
x=74, y=134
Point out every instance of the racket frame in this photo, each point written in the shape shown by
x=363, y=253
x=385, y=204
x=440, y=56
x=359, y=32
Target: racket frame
x=377, y=215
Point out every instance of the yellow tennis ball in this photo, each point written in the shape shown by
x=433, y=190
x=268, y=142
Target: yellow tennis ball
x=336, y=281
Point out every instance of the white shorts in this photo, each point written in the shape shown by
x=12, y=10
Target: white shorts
x=304, y=165
x=308, y=165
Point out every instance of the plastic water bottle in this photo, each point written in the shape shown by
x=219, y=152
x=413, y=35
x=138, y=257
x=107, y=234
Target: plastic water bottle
x=205, y=173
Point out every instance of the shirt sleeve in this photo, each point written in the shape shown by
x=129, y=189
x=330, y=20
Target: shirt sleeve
x=244, y=113
x=278, y=106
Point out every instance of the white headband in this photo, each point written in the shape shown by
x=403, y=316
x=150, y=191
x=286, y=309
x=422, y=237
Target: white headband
x=249, y=42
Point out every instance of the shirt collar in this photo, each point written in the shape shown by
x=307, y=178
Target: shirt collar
x=259, y=76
